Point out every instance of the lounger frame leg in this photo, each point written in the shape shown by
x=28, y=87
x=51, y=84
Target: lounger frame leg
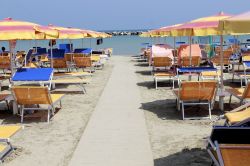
x=183, y=114
x=156, y=86
x=48, y=117
x=22, y=113
x=209, y=109
x=230, y=99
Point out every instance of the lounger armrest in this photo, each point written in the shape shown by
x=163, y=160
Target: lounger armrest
x=241, y=107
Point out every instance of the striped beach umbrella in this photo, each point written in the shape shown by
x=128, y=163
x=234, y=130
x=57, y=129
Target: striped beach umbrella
x=236, y=25
x=205, y=26
x=69, y=33
x=21, y=30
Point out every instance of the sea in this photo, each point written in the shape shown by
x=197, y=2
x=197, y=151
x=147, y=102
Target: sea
x=122, y=45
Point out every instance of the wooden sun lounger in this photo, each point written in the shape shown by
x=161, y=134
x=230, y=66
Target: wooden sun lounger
x=196, y=93
x=72, y=81
x=229, y=146
x=239, y=116
x=26, y=96
x=6, y=132
x=240, y=93
x=162, y=76
x=72, y=74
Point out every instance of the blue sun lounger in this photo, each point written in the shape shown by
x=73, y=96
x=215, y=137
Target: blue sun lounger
x=193, y=70
x=41, y=76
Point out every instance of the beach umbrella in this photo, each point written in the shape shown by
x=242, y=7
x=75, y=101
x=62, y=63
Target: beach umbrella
x=22, y=30
x=236, y=25
x=69, y=33
x=12, y=30
x=205, y=26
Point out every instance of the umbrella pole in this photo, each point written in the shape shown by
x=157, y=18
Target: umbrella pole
x=221, y=96
x=174, y=44
x=51, y=54
x=11, y=59
x=190, y=55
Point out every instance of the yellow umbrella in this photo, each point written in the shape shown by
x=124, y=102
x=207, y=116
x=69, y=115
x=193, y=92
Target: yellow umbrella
x=236, y=25
x=205, y=26
x=69, y=33
x=21, y=30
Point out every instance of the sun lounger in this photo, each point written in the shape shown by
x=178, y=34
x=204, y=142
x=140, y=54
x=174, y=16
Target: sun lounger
x=84, y=62
x=26, y=96
x=196, y=93
x=210, y=75
x=229, y=146
x=6, y=132
x=42, y=76
x=72, y=74
x=239, y=116
x=4, y=63
x=243, y=94
x=164, y=65
x=72, y=81
x=162, y=76
x=194, y=70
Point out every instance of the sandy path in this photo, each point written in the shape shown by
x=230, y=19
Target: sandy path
x=116, y=133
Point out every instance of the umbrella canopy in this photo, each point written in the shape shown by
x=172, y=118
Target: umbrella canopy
x=21, y=30
x=76, y=33
x=164, y=31
x=236, y=25
x=69, y=33
x=204, y=26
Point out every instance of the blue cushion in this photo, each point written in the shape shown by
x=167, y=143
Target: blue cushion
x=33, y=74
x=196, y=69
x=66, y=47
x=57, y=53
x=83, y=50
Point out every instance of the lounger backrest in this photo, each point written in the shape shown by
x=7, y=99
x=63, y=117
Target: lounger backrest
x=28, y=55
x=68, y=57
x=78, y=55
x=26, y=95
x=195, y=61
x=204, y=90
x=59, y=63
x=235, y=154
x=162, y=62
x=4, y=62
x=82, y=62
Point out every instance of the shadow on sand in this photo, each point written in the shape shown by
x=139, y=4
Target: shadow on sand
x=187, y=157
x=166, y=109
x=144, y=72
x=142, y=64
x=151, y=85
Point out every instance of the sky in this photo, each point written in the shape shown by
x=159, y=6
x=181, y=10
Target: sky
x=117, y=14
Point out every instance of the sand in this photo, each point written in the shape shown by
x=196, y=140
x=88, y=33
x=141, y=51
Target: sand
x=53, y=144
x=174, y=142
